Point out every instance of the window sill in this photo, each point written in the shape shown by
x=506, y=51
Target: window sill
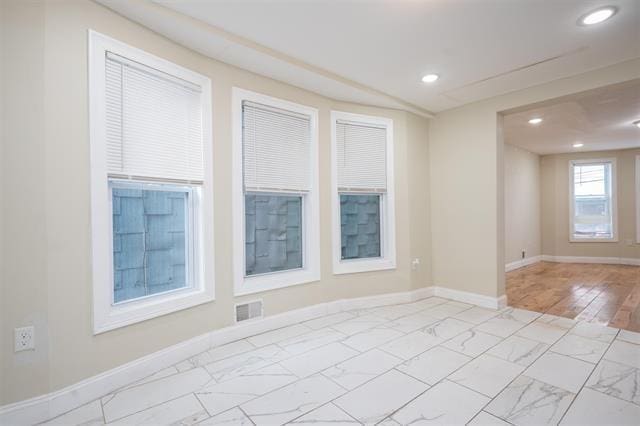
x=124, y=314
x=363, y=265
x=273, y=281
x=593, y=240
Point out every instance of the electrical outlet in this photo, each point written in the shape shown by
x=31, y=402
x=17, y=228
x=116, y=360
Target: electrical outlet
x=415, y=263
x=25, y=338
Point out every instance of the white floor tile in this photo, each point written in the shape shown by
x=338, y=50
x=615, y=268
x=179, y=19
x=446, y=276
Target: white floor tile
x=362, y=368
x=377, y=399
x=519, y=315
x=595, y=408
x=246, y=362
x=87, y=415
x=529, y=402
x=165, y=372
x=557, y=321
x=487, y=374
x=318, y=359
x=595, y=331
x=542, y=332
x=328, y=414
x=292, y=401
x=447, y=309
x=472, y=343
x=519, y=350
x=371, y=338
x=185, y=410
x=580, y=347
x=222, y=396
x=216, y=354
x=411, y=345
x=434, y=365
x=328, y=320
x=315, y=339
x=624, y=352
x=446, y=328
x=503, y=325
x=444, y=404
x=476, y=315
x=141, y=397
x=560, y=371
x=412, y=322
x=234, y=417
x=278, y=335
x=393, y=312
x=629, y=336
x=358, y=324
x=485, y=419
x=619, y=380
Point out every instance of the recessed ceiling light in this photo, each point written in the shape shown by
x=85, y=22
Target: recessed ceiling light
x=578, y=145
x=430, y=78
x=536, y=120
x=636, y=123
x=598, y=15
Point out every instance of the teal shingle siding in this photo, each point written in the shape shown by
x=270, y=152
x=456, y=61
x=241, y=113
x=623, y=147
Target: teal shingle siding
x=273, y=233
x=360, y=226
x=148, y=242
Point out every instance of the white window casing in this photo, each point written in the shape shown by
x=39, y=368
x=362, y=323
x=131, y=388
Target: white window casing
x=362, y=163
x=150, y=124
x=638, y=199
x=275, y=151
x=609, y=197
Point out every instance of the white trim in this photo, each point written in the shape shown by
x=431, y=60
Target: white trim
x=522, y=263
x=614, y=201
x=590, y=259
x=637, y=199
x=311, y=205
x=107, y=316
x=53, y=404
x=387, y=216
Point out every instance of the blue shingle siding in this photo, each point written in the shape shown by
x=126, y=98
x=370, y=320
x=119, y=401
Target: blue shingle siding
x=273, y=233
x=360, y=226
x=148, y=242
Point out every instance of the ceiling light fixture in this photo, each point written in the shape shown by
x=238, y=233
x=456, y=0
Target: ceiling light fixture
x=430, y=78
x=536, y=120
x=598, y=15
x=578, y=145
x=636, y=123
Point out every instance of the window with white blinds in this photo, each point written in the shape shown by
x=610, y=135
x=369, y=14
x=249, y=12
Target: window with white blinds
x=276, y=148
x=361, y=157
x=153, y=123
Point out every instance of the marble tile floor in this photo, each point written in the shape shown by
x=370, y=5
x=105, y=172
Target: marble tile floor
x=434, y=361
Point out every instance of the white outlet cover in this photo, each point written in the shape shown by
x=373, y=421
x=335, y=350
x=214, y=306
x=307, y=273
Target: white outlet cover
x=25, y=338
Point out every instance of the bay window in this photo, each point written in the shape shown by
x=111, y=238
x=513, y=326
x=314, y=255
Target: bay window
x=151, y=185
x=363, y=196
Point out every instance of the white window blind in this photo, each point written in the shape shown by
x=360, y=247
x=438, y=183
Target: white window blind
x=276, y=148
x=361, y=151
x=154, y=123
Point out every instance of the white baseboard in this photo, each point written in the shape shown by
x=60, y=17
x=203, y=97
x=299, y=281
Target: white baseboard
x=522, y=263
x=44, y=407
x=472, y=298
x=590, y=259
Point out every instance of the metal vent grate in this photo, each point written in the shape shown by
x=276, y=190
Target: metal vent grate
x=248, y=310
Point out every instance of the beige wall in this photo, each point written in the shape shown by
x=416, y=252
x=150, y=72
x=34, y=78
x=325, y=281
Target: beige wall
x=45, y=180
x=521, y=203
x=555, y=207
x=467, y=206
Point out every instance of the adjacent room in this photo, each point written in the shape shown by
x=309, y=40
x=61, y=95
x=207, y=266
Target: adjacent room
x=355, y=212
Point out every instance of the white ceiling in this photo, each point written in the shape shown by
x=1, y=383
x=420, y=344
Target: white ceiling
x=601, y=119
x=376, y=51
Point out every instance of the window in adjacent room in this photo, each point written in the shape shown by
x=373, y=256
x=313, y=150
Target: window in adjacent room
x=363, y=209
x=275, y=193
x=150, y=185
x=592, y=200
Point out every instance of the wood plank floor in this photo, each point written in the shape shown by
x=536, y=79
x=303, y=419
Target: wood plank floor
x=605, y=294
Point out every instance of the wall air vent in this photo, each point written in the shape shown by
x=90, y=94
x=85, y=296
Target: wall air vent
x=249, y=310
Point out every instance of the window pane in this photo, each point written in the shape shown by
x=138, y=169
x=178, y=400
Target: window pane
x=360, y=226
x=149, y=241
x=592, y=201
x=273, y=233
